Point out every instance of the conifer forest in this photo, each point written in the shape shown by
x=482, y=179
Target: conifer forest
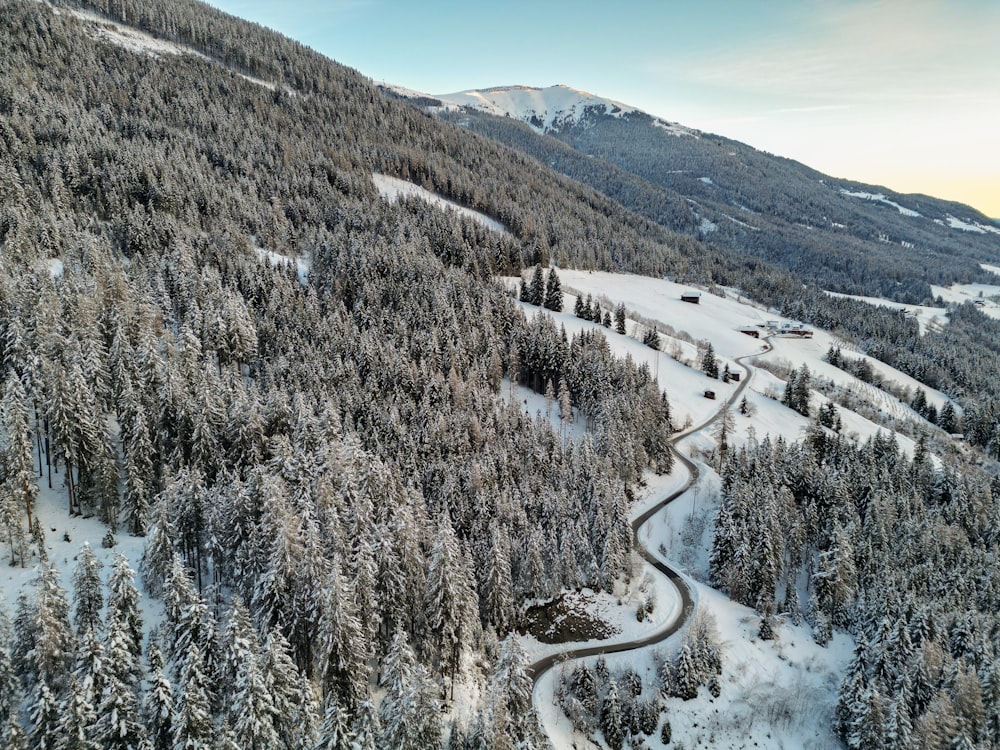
x=300, y=407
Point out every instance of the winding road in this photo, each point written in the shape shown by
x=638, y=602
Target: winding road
x=540, y=667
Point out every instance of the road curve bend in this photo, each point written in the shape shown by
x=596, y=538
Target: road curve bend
x=540, y=667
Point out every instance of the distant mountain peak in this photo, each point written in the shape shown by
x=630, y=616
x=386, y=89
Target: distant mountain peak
x=547, y=109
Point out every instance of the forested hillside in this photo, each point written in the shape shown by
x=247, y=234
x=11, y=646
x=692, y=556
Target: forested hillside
x=891, y=549
x=343, y=514
x=215, y=335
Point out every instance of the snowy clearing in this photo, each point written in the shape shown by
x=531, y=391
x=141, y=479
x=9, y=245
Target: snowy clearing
x=880, y=198
x=675, y=129
x=105, y=30
x=970, y=226
x=536, y=405
x=394, y=189
x=985, y=296
x=65, y=536
x=278, y=260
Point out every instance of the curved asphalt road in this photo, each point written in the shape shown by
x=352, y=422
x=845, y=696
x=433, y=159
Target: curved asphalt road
x=540, y=667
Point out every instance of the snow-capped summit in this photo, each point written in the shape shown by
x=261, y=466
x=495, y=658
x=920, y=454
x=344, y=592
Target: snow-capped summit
x=544, y=109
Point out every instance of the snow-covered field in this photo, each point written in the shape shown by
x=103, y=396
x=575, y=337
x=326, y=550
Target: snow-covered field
x=969, y=225
x=718, y=320
x=985, y=296
x=394, y=189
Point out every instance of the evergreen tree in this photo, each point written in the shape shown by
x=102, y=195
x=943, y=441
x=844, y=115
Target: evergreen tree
x=158, y=704
x=342, y=651
x=449, y=597
x=620, y=319
x=87, y=595
x=651, y=338
x=45, y=716
x=709, y=364
x=250, y=705
x=612, y=721
x=335, y=732
x=512, y=715
x=19, y=487
x=193, y=718
x=76, y=726
x=553, y=292
x=536, y=287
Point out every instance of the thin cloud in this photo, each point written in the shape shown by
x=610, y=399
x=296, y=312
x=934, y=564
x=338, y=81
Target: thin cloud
x=889, y=50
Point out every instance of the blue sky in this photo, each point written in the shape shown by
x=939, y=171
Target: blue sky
x=904, y=93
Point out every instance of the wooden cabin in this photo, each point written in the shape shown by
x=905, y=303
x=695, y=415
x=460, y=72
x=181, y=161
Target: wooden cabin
x=693, y=297
x=710, y=394
x=750, y=331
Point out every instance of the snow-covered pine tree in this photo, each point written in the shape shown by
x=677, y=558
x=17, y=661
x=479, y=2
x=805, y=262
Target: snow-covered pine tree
x=553, y=299
x=123, y=607
x=19, y=487
x=119, y=725
x=248, y=701
x=449, y=598
x=340, y=655
x=612, y=721
x=193, y=727
x=498, y=599
x=513, y=721
x=88, y=596
x=76, y=729
x=366, y=729
x=335, y=731
x=45, y=715
x=536, y=287
x=620, y=318
x=158, y=557
x=158, y=703
x=709, y=363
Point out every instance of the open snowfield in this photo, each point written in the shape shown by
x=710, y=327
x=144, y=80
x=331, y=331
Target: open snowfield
x=394, y=189
x=985, y=296
x=718, y=319
x=880, y=198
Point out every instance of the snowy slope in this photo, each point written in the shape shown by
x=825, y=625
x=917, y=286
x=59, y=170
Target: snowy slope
x=718, y=320
x=394, y=189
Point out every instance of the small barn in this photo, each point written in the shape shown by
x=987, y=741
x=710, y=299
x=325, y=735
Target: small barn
x=693, y=297
x=734, y=377
x=710, y=394
x=750, y=331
